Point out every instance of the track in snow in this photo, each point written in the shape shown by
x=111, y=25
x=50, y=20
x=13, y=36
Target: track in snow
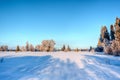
x=58, y=66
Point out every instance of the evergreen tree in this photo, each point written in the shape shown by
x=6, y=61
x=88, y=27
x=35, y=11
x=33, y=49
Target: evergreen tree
x=27, y=46
x=112, y=32
x=4, y=48
x=106, y=34
x=63, y=48
x=76, y=50
x=99, y=43
x=31, y=47
x=90, y=48
x=101, y=39
x=18, y=48
x=68, y=48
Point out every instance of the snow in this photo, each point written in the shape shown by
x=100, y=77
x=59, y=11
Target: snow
x=58, y=66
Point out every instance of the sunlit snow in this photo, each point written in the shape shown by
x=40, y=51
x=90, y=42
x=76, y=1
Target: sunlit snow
x=58, y=66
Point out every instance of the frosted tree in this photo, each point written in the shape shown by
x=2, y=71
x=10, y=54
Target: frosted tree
x=23, y=48
x=37, y=48
x=47, y=45
x=31, y=48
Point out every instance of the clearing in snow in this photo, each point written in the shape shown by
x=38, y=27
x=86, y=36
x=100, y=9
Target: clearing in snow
x=58, y=66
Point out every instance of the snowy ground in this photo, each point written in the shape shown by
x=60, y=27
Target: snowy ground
x=58, y=66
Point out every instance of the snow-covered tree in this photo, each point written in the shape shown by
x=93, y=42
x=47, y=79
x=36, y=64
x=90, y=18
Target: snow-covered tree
x=47, y=45
x=23, y=48
x=108, y=50
x=107, y=46
x=31, y=48
x=37, y=48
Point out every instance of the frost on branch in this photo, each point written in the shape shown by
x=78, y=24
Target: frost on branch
x=47, y=45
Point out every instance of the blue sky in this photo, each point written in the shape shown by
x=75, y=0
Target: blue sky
x=73, y=22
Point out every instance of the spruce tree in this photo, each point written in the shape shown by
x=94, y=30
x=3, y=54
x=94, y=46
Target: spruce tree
x=18, y=48
x=27, y=46
x=112, y=33
x=31, y=47
x=76, y=50
x=106, y=34
x=99, y=43
x=101, y=39
x=63, y=48
x=68, y=48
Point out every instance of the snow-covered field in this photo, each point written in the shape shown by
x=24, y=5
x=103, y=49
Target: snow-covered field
x=58, y=66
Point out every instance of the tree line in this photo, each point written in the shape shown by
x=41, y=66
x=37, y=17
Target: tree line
x=46, y=45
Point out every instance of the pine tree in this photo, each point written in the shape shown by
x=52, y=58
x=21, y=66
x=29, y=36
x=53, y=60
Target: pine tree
x=27, y=46
x=76, y=50
x=63, y=48
x=99, y=43
x=68, y=48
x=101, y=39
x=90, y=48
x=112, y=32
x=106, y=34
x=31, y=48
x=4, y=48
x=23, y=48
x=18, y=48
